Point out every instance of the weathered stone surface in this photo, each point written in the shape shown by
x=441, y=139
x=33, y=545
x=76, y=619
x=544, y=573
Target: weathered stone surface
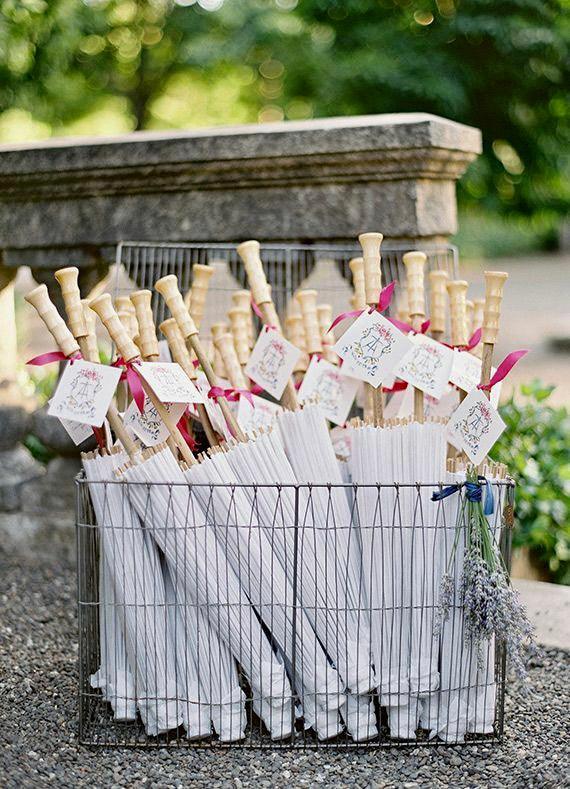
x=51, y=433
x=14, y=424
x=319, y=180
x=17, y=469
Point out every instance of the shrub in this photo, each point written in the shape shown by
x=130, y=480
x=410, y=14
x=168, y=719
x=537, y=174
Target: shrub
x=535, y=447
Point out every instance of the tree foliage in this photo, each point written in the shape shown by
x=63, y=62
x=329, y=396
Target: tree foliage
x=501, y=65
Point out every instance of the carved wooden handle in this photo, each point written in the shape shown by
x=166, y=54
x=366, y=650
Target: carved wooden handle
x=242, y=300
x=469, y=309
x=225, y=345
x=325, y=316
x=240, y=323
x=478, y=311
x=141, y=300
x=103, y=306
x=415, y=263
x=308, y=301
x=249, y=253
x=457, y=290
x=67, y=278
x=168, y=288
x=494, y=284
x=90, y=339
x=177, y=346
x=437, y=300
x=216, y=330
x=40, y=300
x=199, y=290
x=402, y=309
x=358, y=300
x=370, y=243
x=124, y=304
x=296, y=335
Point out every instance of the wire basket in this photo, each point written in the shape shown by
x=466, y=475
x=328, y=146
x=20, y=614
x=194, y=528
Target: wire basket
x=287, y=267
x=284, y=657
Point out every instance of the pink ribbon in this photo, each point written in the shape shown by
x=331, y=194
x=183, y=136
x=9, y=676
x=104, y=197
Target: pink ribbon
x=399, y=386
x=383, y=303
x=53, y=356
x=473, y=342
x=406, y=328
x=133, y=381
x=256, y=389
x=259, y=314
x=232, y=394
x=503, y=369
x=185, y=434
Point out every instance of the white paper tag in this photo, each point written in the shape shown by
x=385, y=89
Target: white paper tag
x=426, y=366
x=148, y=426
x=169, y=382
x=77, y=432
x=401, y=404
x=164, y=354
x=327, y=385
x=84, y=392
x=262, y=414
x=466, y=374
x=271, y=362
x=372, y=347
x=475, y=426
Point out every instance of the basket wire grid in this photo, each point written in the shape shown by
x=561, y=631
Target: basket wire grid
x=414, y=674
x=287, y=268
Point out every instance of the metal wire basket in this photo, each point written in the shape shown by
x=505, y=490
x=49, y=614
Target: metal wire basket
x=287, y=267
x=165, y=663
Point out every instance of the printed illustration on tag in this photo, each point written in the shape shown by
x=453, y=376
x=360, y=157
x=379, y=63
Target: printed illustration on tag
x=169, y=382
x=475, y=426
x=427, y=366
x=466, y=374
x=326, y=384
x=371, y=348
x=148, y=426
x=271, y=362
x=262, y=413
x=77, y=431
x=84, y=392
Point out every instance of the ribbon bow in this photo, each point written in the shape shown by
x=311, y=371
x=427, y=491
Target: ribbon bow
x=383, y=303
x=185, y=434
x=132, y=378
x=53, y=356
x=473, y=492
x=232, y=394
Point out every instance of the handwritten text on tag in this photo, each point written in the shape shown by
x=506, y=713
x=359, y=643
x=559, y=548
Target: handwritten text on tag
x=427, y=366
x=271, y=362
x=475, y=426
x=169, y=382
x=330, y=388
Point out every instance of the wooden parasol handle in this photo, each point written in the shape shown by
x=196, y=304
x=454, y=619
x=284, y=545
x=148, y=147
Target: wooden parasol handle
x=181, y=356
x=91, y=350
x=358, y=300
x=415, y=266
x=68, y=282
x=371, y=263
x=148, y=343
x=437, y=302
x=325, y=316
x=196, y=296
x=308, y=302
x=457, y=290
x=168, y=289
x=225, y=345
x=240, y=322
x=296, y=335
x=494, y=284
x=242, y=300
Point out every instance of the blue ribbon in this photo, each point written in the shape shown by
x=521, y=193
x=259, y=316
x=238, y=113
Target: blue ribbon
x=473, y=491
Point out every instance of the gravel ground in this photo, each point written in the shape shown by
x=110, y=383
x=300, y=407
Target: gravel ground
x=38, y=720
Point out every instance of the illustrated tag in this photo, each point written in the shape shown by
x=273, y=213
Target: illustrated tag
x=148, y=426
x=475, y=426
x=271, y=362
x=466, y=374
x=77, y=432
x=401, y=404
x=169, y=382
x=427, y=366
x=262, y=414
x=84, y=392
x=164, y=354
x=371, y=348
x=328, y=386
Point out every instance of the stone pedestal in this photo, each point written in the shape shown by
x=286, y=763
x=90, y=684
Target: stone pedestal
x=70, y=201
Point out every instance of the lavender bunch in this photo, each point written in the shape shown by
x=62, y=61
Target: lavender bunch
x=491, y=605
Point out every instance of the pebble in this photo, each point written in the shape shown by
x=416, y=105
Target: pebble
x=39, y=720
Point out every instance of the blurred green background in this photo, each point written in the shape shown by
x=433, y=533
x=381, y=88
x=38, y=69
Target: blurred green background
x=103, y=67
